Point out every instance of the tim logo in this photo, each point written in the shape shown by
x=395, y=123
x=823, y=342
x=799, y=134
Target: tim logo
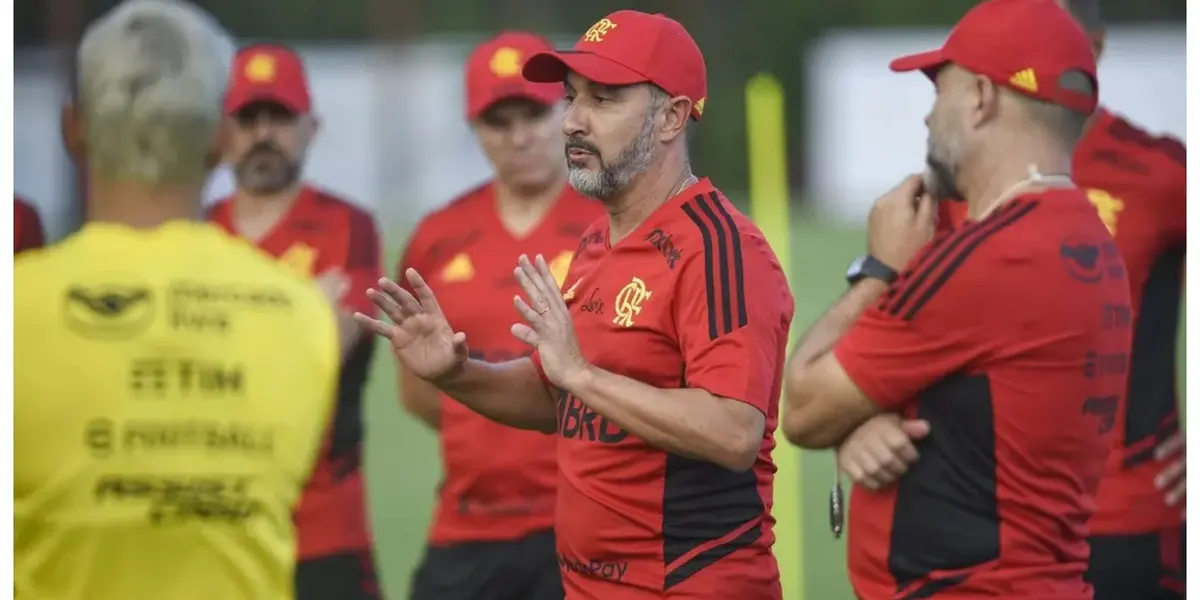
x=578, y=422
x=662, y=241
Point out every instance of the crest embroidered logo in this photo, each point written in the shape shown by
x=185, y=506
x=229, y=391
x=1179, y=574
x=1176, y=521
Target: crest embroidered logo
x=300, y=259
x=700, y=106
x=108, y=311
x=1109, y=208
x=629, y=301
x=458, y=269
x=596, y=33
x=260, y=68
x=559, y=266
x=506, y=62
x=1025, y=79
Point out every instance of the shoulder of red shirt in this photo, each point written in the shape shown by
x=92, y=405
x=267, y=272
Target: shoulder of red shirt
x=709, y=220
x=984, y=263
x=1163, y=156
x=451, y=215
x=312, y=197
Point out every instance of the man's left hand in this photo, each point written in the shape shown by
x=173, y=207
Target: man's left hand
x=548, y=326
x=1173, y=477
x=901, y=222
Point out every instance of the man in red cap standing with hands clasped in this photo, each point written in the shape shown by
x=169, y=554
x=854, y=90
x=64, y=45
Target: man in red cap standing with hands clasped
x=269, y=128
x=658, y=362
x=981, y=341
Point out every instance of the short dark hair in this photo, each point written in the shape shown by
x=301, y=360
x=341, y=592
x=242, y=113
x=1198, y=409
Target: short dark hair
x=1065, y=123
x=1087, y=13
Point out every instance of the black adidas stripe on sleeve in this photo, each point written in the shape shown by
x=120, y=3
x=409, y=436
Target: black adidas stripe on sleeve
x=724, y=283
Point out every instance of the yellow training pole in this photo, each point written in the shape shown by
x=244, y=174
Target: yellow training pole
x=770, y=207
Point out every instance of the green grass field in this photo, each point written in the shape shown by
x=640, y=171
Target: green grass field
x=403, y=469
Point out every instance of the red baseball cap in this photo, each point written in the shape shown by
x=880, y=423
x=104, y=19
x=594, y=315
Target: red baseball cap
x=1025, y=45
x=629, y=47
x=268, y=73
x=494, y=72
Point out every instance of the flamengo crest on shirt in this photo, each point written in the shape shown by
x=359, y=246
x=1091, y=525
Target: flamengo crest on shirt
x=629, y=302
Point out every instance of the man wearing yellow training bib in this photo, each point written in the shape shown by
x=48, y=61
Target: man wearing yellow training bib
x=172, y=384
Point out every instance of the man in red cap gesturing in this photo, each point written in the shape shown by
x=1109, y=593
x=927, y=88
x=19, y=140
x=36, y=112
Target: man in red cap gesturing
x=982, y=341
x=658, y=363
x=492, y=535
x=269, y=128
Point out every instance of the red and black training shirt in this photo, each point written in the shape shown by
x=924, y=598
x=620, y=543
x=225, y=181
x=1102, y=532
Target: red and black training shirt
x=692, y=298
x=1137, y=183
x=993, y=334
x=498, y=481
x=320, y=232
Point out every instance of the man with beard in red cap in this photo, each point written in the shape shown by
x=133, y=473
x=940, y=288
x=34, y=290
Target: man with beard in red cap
x=270, y=126
x=999, y=343
x=657, y=363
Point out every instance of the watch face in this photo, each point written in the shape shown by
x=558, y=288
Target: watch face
x=856, y=266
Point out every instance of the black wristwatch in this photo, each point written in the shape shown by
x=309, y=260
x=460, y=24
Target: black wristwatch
x=868, y=266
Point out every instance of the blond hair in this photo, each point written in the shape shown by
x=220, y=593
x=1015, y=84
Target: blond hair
x=152, y=77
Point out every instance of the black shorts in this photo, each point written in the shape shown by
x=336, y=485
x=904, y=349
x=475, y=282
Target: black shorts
x=344, y=576
x=1150, y=566
x=524, y=569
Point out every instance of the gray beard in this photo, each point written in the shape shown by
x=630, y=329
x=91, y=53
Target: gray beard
x=611, y=178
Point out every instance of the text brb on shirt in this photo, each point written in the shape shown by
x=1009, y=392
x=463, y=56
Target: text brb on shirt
x=575, y=419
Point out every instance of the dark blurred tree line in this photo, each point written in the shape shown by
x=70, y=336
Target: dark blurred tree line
x=739, y=38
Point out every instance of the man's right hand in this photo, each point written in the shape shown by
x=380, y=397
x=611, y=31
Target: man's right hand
x=881, y=449
x=420, y=335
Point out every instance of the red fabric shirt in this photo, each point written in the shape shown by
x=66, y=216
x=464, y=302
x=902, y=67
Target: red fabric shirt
x=694, y=297
x=1137, y=183
x=321, y=232
x=993, y=334
x=498, y=481
x=27, y=227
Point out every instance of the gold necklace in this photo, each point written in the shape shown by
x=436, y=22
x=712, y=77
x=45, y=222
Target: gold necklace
x=683, y=184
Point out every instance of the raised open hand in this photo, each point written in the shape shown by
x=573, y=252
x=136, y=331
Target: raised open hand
x=421, y=338
x=548, y=326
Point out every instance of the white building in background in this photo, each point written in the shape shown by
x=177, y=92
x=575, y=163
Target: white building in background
x=866, y=124
x=393, y=135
